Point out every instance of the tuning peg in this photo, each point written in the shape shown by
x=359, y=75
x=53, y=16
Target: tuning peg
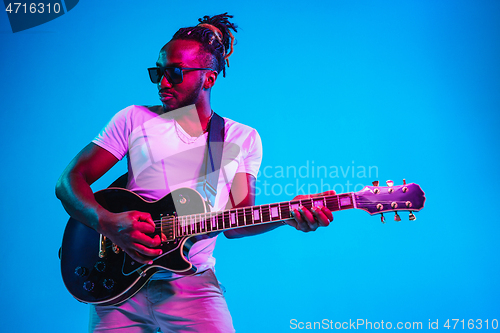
x=412, y=216
x=375, y=183
x=382, y=218
x=397, y=218
x=404, y=181
x=389, y=183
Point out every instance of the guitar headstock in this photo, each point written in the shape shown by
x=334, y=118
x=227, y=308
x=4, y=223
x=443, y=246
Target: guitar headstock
x=381, y=199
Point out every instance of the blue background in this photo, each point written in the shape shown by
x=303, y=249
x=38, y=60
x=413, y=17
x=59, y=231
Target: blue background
x=410, y=87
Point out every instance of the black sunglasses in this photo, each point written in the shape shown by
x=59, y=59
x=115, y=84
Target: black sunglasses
x=174, y=74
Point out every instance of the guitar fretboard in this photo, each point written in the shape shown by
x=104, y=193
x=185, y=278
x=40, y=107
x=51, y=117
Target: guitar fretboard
x=196, y=224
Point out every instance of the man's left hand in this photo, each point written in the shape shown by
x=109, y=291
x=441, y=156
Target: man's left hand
x=310, y=219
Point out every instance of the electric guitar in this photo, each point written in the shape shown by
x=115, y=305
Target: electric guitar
x=96, y=271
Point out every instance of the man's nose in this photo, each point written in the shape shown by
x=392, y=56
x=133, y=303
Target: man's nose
x=164, y=82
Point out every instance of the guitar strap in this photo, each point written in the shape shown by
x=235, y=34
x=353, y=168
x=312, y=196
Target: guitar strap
x=213, y=157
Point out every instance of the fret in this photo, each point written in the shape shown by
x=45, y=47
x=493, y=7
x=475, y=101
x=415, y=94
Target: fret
x=332, y=203
x=240, y=217
x=189, y=226
x=179, y=227
x=203, y=224
x=196, y=221
x=345, y=201
x=210, y=222
x=220, y=221
x=265, y=210
x=294, y=205
x=226, y=219
x=256, y=215
x=285, y=210
x=274, y=212
x=232, y=217
x=184, y=225
x=307, y=203
x=318, y=202
x=248, y=215
x=213, y=218
x=183, y=220
x=194, y=224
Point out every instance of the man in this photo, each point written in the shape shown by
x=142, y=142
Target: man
x=165, y=148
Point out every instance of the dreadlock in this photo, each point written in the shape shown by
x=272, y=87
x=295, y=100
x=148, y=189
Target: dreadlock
x=215, y=36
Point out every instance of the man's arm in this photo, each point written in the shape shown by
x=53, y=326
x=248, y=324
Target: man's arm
x=243, y=195
x=128, y=229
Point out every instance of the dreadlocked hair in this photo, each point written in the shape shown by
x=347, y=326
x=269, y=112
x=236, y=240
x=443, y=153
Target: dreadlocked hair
x=214, y=34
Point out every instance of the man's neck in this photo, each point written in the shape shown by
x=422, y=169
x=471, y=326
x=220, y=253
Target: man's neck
x=193, y=118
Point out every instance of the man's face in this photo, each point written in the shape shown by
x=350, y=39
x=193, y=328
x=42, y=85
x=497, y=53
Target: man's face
x=182, y=53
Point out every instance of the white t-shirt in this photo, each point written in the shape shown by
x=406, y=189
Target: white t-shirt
x=162, y=157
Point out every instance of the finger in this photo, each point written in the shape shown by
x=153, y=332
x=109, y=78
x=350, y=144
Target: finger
x=320, y=217
x=292, y=222
x=143, y=217
x=142, y=225
x=146, y=217
x=139, y=237
x=141, y=249
x=324, y=194
x=309, y=217
x=328, y=213
x=301, y=222
x=137, y=257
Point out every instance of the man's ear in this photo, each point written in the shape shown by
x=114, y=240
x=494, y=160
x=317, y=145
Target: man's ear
x=210, y=79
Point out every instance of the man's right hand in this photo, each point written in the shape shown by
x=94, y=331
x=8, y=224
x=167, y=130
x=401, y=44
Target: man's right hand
x=131, y=231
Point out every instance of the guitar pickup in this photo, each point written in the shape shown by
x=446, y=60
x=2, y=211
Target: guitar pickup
x=167, y=228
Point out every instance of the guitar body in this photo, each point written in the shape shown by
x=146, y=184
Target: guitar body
x=114, y=277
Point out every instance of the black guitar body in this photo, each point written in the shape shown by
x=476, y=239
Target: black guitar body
x=113, y=277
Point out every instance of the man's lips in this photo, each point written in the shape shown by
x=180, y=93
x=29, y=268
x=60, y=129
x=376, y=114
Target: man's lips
x=164, y=94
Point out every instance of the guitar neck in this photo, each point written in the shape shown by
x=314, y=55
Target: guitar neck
x=196, y=224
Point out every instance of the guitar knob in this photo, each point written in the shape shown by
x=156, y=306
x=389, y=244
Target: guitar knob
x=81, y=271
x=88, y=285
x=412, y=216
x=397, y=218
x=108, y=283
x=115, y=248
x=100, y=266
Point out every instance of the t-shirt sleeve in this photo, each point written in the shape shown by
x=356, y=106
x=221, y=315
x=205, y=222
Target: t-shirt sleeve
x=114, y=136
x=251, y=162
